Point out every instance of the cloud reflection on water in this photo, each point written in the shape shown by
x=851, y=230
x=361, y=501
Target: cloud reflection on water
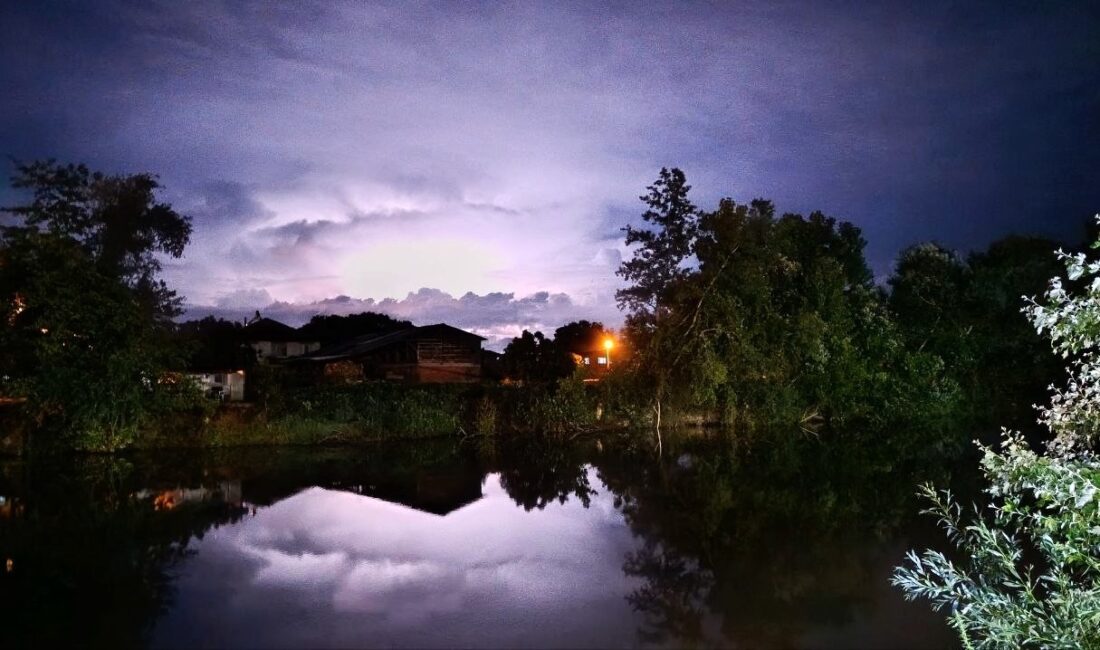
x=372, y=572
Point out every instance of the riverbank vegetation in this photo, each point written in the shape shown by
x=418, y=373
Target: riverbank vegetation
x=764, y=317
x=87, y=322
x=1029, y=575
x=740, y=316
x=770, y=325
x=286, y=413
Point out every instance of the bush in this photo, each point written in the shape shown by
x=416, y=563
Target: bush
x=1031, y=577
x=380, y=409
x=555, y=410
x=1034, y=567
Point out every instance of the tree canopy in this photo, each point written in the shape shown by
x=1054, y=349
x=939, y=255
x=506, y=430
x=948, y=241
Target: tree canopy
x=115, y=219
x=331, y=328
x=86, y=319
x=535, y=357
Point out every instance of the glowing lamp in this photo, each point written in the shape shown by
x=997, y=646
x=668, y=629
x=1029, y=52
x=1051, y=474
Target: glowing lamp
x=608, y=344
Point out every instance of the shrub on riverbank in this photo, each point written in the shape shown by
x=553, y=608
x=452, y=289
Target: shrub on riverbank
x=1030, y=576
x=556, y=409
x=313, y=415
x=330, y=415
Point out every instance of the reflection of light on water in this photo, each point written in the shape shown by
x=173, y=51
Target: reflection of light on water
x=228, y=492
x=10, y=507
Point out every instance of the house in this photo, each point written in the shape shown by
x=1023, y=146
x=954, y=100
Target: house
x=273, y=340
x=430, y=354
x=594, y=358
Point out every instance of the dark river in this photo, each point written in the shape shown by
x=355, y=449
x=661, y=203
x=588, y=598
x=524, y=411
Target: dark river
x=442, y=544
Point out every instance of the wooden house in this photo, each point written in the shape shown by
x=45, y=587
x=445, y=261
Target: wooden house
x=421, y=355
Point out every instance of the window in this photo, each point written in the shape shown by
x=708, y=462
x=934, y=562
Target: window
x=586, y=361
x=601, y=360
x=279, y=349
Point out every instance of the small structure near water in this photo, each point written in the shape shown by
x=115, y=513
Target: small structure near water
x=226, y=385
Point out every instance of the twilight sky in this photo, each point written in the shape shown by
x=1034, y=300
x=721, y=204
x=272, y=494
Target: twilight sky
x=474, y=162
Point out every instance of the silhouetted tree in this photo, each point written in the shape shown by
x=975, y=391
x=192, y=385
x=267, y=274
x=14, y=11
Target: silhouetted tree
x=331, y=328
x=86, y=322
x=215, y=344
x=532, y=357
x=116, y=220
x=579, y=336
x=662, y=247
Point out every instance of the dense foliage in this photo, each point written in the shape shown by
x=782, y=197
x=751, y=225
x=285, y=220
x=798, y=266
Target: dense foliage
x=85, y=317
x=538, y=358
x=759, y=317
x=333, y=328
x=1030, y=575
x=966, y=312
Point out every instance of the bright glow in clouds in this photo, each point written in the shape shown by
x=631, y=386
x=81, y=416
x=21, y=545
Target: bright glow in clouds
x=449, y=264
x=375, y=150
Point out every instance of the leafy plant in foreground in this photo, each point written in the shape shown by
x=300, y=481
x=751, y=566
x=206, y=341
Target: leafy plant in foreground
x=1031, y=572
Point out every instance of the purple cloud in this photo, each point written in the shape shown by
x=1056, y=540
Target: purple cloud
x=496, y=316
x=373, y=149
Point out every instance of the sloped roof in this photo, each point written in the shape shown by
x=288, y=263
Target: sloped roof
x=362, y=345
x=443, y=327
x=267, y=329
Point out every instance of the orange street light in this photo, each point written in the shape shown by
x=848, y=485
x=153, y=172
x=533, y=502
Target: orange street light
x=607, y=345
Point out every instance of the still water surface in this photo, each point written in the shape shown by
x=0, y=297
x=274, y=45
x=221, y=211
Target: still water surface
x=438, y=544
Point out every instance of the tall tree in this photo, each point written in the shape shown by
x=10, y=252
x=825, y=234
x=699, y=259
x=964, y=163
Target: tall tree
x=214, y=344
x=965, y=311
x=662, y=247
x=116, y=219
x=85, y=319
x=755, y=317
x=655, y=272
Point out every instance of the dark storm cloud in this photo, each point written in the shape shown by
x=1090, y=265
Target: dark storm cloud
x=372, y=149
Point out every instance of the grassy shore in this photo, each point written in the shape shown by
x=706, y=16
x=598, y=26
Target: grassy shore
x=374, y=411
x=282, y=414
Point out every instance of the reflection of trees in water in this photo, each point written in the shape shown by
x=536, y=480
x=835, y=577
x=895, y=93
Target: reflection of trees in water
x=764, y=543
x=753, y=545
x=91, y=564
x=535, y=476
x=96, y=541
x=672, y=596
